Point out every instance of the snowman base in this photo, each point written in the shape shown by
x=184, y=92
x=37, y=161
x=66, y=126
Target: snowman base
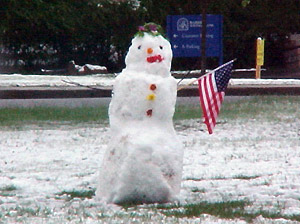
x=141, y=168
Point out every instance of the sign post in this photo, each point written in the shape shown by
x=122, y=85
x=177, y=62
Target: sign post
x=260, y=46
x=184, y=33
x=203, y=38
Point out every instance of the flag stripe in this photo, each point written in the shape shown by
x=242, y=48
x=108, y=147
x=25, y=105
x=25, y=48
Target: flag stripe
x=211, y=117
x=204, y=98
x=212, y=107
x=213, y=98
x=203, y=105
x=211, y=92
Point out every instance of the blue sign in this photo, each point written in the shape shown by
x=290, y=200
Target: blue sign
x=184, y=33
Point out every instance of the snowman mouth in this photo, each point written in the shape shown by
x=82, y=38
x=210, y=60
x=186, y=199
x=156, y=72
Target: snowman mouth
x=155, y=58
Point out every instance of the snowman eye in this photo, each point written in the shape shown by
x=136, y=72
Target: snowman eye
x=139, y=47
x=161, y=47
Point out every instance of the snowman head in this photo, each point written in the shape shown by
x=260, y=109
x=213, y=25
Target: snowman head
x=149, y=52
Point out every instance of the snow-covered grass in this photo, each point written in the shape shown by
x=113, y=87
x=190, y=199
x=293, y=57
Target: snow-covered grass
x=248, y=170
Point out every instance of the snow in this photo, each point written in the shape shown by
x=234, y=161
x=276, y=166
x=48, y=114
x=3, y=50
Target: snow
x=106, y=80
x=43, y=161
x=251, y=82
x=143, y=162
x=19, y=80
x=259, y=150
x=95, y=67
x=236, y=82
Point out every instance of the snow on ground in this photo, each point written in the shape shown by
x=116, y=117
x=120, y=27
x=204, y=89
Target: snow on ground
x=254, y=160
x=250, y=82
x=105, y=80
x=14, y=80
x=236, y=82
x=246, y=159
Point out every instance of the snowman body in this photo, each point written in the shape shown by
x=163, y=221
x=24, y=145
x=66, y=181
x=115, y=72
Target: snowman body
x=143, y=161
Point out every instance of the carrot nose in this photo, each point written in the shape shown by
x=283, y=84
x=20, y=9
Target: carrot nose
x=149, y=50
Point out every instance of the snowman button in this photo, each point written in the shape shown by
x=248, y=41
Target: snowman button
x=151, y=97
x=152, y=87
x=149, y=112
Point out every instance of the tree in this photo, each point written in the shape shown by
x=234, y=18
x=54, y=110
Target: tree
x=46, y=33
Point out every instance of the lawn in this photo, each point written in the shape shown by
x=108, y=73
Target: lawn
x=265, y=107
x=247, y=171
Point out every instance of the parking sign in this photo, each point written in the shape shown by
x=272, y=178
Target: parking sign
x=184, y=33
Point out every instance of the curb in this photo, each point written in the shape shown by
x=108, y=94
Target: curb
x=82, y=92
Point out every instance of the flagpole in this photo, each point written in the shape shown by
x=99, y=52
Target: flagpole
x=192, y=82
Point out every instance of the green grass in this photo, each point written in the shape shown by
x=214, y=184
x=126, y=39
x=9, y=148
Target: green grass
x=224, y=210
x=258, y=107
x=227, y=210
x=197, y=190
x=262, y=107
x=8, y=190
x=244, y=177
x=183, y=112
x=18, y=116
x=78, y=194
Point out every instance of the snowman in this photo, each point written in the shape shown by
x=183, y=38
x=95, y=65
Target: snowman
x=143, y=161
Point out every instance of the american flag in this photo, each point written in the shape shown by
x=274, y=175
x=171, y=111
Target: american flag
x=212, y=88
